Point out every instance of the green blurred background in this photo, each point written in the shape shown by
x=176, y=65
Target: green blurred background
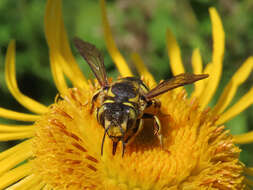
x=137, y=26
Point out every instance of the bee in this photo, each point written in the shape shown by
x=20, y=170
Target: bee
x=125, y=101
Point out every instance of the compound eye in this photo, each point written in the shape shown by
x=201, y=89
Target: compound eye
x=101, y=115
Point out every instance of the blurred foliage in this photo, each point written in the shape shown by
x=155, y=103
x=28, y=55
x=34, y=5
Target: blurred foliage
x=137, y=26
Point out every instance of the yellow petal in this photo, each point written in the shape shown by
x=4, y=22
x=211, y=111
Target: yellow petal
x=248, y=171
x=10, y=77
x=16, y=128
x=16, y=135
x=197, y=69
x=28, y=182
x=25, y=145
x=239, y=77
x=111, y=45
x=39, y=186
x=47, y=187
x=78, y=78
x=15, y=175
x=197, y=62
x=8, y=114
x=58, y=43
x=248, y=182
x=217, y=58
x=208, y=69
x=174, y=54
x=15, y=158
x=238, y=107
x=58, y=76
x=244, y=138
x=142, y=69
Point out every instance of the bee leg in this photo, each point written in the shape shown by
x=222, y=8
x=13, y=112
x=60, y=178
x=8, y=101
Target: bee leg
x=155, y=105
x=157, y=131
x=157, y=126
x=103, y=140
x=123, y=148
x=114, y=147
x=136, y=130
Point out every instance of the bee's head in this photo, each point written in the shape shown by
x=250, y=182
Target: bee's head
x=119, y=122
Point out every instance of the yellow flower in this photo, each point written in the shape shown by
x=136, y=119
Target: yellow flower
x=62, y=147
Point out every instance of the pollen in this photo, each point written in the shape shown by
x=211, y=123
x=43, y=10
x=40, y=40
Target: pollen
x=196, y=152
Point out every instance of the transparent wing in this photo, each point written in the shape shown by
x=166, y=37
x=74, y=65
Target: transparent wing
x=94, y=58
x=177, y=81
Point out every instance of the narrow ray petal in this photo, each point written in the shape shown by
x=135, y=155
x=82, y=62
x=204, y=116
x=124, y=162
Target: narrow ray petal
x=142, y=69
x=208, y=69
x=15, y=175
x=249, y=182
x=174, y=54
x=238, y=107
x=111, y=45
x=16, y=135
x=47, y=187
x=16, y=128
x=39, y=186
x=197, y=69
x=245, y=138
x=217, y=58
x=10, y=77
x=248, y=171
x=57, y=73
x=197, y=62
x=58, y=44
x=14, y=159
x=239, y=77
x=78, y=78
x=15, y=149
x=9, y=114
x=26, y=183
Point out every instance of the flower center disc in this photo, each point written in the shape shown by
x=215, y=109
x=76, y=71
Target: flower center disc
x=196, y=153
